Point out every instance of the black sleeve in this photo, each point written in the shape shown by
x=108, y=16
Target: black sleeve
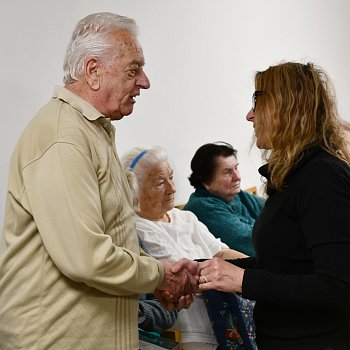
x=244, y=263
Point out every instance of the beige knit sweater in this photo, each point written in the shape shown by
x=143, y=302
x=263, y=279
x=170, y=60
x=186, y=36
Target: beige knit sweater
x=70, y=264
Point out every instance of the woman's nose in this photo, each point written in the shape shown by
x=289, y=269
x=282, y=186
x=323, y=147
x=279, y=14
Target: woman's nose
x=171, y=187
x=250, y=115
x=236, y=175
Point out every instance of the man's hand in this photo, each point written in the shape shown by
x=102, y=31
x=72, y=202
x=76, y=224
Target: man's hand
x=170, y=304
x=179, y=283
x=190, y=265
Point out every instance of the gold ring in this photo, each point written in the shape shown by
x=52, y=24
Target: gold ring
x=205, y=278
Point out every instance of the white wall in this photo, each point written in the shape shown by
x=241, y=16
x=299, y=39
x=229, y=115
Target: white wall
x=200, y=57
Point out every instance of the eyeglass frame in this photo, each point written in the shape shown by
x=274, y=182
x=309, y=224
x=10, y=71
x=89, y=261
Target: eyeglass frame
x=255, y=95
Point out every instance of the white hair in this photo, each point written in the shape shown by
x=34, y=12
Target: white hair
x=91, y=37
x=137, y=163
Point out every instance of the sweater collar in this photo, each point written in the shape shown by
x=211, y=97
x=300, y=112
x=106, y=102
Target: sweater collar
x=307, y=154
x=84, y=107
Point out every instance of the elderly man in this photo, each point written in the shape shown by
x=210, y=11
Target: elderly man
x=71, y=268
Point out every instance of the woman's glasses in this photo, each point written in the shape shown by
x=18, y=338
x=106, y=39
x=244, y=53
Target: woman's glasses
x=255, y=94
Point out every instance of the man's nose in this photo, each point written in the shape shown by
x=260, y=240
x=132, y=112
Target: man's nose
x=143, y=81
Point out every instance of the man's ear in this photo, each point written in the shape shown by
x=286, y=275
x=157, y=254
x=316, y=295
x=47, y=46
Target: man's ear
x=91, y=73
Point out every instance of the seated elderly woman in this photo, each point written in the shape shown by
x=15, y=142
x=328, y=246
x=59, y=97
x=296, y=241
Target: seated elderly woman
x=218, y=201
x=167, y=232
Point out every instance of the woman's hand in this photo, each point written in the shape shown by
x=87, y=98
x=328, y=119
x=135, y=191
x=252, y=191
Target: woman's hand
x=220, y=275
x=230, y=254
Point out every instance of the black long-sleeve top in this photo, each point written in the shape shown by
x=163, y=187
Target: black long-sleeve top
x=300, y=277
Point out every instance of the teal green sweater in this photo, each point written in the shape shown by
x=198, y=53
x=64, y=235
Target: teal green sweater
x=232, y=221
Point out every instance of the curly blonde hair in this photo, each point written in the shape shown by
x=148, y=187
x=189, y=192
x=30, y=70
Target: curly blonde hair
x=297, y=108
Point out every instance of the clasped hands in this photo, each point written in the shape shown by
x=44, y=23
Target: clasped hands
x=186, y=277
x=179, y=284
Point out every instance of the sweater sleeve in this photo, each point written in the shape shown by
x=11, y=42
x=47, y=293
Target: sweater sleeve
x=244, y=263
x=155, y=318
x=67, y=209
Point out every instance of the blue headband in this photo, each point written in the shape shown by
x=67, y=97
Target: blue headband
x=137, y=158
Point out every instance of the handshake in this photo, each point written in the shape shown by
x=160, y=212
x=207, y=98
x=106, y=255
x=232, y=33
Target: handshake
x=179, y=284
x=185, y=277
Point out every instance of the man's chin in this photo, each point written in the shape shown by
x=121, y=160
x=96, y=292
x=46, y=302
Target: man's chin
x=121, y=115
x=126, y=113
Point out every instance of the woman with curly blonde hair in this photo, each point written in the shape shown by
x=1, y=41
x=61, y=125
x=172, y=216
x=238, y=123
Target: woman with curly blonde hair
x=300, y=277
x=297, y=108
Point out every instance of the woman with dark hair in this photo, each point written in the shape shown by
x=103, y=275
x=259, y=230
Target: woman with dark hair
x=218, y=201
x=300, y=277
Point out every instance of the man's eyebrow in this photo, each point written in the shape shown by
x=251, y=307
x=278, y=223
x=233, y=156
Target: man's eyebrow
x=138, y=63
x=139, y=60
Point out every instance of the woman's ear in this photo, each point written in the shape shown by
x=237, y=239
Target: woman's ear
x=206, y=186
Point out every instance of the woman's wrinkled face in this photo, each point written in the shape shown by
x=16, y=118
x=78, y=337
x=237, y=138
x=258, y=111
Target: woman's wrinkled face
x=157, y=191
x=226, y=182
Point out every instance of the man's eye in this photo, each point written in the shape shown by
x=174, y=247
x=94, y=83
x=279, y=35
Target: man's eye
x=132, y=73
